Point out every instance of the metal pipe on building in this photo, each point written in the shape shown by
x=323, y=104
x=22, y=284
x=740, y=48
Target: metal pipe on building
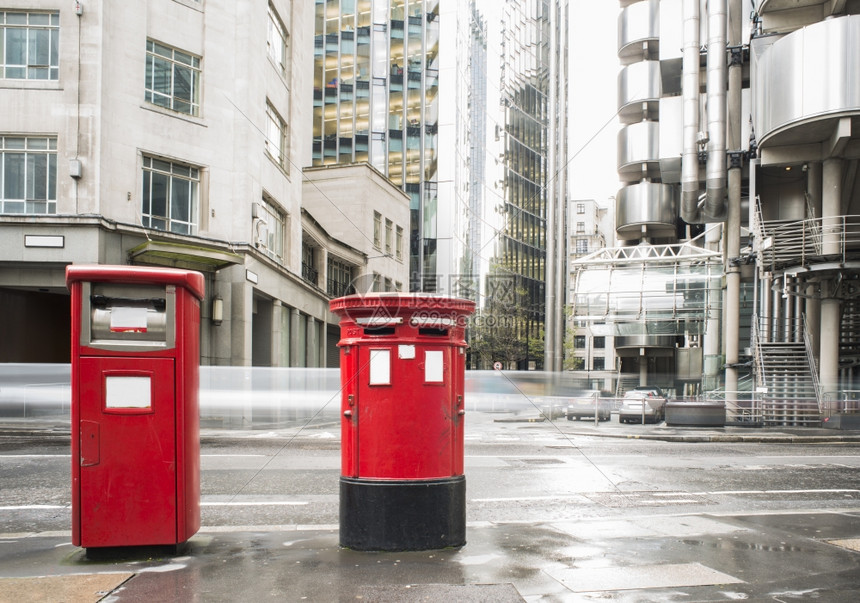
x=690, y=212
x=733, y=212
x=715, y=171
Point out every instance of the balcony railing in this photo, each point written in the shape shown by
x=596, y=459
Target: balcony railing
x=812, y=241
x=309, y=273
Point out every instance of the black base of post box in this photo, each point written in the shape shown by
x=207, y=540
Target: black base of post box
x=400, y=515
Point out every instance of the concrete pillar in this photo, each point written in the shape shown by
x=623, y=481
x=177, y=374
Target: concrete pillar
x=311, y=347
x=278, y=339
x=643, y=367
x=831, y=310
x=790, y=325
x=323, y=344
x=294, y=339
x=813, y=317
x=831, y=314
x=831, y=207
x=813, y=186
x=241, y=323
x=765, y=319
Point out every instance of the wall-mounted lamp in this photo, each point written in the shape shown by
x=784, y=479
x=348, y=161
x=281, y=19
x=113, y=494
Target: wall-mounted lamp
x=217, y=311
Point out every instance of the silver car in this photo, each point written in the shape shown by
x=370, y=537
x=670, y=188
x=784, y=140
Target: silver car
x=584, y=407
x=642, y=404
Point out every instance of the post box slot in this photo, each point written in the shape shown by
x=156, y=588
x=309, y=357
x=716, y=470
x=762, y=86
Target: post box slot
x=379, y=331
x=433, y=332
x=123, y=316
x=101, y=301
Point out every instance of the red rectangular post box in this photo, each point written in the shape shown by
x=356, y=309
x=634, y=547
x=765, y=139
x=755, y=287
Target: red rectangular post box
x=135, y=421
x=402, y=368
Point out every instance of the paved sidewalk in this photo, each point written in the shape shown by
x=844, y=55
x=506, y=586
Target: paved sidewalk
x=698, y=557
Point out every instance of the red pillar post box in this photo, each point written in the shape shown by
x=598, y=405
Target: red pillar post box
x=135, y=421
x=402, y=357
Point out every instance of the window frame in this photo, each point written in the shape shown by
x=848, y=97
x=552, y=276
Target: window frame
x=193, y=65
x=30, y=69
x=277, y=128
x=149, y=170
x=31, y=149
x=278, y=47
x=275, y=243
x=377, y=230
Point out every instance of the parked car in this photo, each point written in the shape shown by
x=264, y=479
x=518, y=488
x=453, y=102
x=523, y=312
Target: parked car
x=647, y=402
x=583, y=407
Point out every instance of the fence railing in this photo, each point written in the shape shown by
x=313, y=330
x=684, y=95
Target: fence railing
x=803, y=242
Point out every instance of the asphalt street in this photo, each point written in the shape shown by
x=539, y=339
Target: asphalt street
x=561, y=511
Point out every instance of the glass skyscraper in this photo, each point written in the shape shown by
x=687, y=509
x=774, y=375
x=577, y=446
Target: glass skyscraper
x=376, y=99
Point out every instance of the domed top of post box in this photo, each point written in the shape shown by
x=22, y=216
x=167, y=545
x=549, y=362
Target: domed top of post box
x=405, y=305
x=144, y=275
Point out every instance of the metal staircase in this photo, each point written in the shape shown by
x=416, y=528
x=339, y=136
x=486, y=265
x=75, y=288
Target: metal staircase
x=787, y=384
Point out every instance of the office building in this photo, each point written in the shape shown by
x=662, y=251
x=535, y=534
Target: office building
x=173, y=133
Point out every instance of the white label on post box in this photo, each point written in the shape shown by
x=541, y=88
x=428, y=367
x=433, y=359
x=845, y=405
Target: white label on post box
x=125, y=319
x=128, y=392
x=433, y=367
x=406, y=352
x=380, y=367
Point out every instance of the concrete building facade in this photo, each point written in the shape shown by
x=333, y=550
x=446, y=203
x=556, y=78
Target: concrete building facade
x=166, y=132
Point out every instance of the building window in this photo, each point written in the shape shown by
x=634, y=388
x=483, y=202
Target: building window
x=598, y=363
x=389, y=235
x=398, y=244
x=389, y=285
x=28, y=173
x=270, y=229
x=377, y=230
x=599, y=343
x=580, y=208
x=276, y=138
x=172, y=78
x=170, y=193
x=339, y=278
x=377, y=282
x=579, y=342
x=582, y=246
x=278, y=42
x=29, y=45
x=309, y=271
x=580, y=227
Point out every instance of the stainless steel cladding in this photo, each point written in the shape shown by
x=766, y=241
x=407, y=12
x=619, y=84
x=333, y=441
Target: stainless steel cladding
x=647, y=204
x=639, y=90
x=638, y=30
x=808, y=78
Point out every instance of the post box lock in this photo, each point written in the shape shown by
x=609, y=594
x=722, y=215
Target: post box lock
x=459, y=400
x=461, y=412
x=347, y=413
x=351, y=399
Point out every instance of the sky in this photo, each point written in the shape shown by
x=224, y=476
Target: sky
x=593, y=100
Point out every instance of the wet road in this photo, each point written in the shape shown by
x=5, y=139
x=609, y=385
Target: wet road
x=536, y=472
x=556, y=513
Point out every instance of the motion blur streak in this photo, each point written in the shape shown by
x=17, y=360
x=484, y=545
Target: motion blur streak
x=265, y=398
